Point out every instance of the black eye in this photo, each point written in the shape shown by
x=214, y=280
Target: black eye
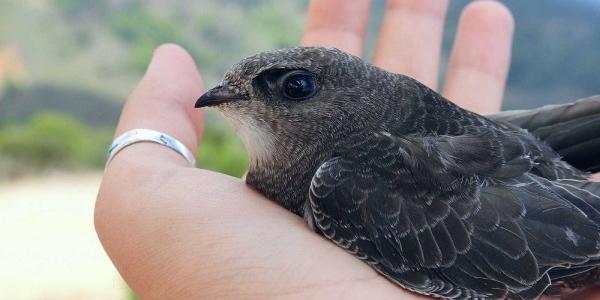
x=298, y=85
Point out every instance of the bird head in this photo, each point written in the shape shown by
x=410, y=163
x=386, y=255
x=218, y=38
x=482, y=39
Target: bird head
x=293, y=99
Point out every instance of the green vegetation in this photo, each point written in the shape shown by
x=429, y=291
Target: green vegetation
x=51, y=140
x=222, y=151
x=78, y=7
x=143, y=31
x=94, y=53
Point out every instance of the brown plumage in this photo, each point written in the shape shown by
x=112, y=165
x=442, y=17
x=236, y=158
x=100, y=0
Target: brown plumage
x=440, y=200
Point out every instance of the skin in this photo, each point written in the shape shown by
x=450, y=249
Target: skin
x=176, y=232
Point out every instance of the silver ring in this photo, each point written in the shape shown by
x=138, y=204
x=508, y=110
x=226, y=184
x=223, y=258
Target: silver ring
x=147, y=135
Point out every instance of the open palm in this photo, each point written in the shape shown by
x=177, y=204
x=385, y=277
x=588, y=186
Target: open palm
x=179, y=232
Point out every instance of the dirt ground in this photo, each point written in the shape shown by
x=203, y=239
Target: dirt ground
x=48, y=247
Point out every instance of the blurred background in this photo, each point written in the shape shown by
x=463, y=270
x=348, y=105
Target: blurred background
x=66, y=67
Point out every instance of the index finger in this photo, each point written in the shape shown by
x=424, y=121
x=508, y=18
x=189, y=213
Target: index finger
x=337, y=23
x=480, y=57
x=164, y=101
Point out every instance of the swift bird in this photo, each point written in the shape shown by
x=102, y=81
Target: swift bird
x=440, y=200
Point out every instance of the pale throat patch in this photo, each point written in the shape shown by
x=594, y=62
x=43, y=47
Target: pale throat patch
x=258, y=140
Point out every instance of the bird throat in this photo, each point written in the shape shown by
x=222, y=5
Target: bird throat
x=258, y=140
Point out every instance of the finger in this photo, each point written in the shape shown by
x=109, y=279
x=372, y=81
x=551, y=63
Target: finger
x=588, y=293
x=480, y=57
x=337, y=23
x=164, y=101
x=411, y=38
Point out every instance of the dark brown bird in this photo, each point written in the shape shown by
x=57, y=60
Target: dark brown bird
x=440, y=200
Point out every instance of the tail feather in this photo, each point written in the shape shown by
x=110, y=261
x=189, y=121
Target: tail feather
x=584, y=156
x=590, y=186
x=572, y=130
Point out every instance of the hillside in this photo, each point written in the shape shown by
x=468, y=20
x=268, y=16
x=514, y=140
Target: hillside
x=101, y=47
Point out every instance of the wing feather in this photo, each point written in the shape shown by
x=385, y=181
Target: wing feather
x=455, y=229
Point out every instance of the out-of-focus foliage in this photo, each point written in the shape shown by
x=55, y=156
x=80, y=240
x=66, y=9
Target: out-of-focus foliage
x=144, y=31
x=104, y=45
x=19, y=104
x=80, y=7
x=51, y=140
x=222, y=151
x=82, y=55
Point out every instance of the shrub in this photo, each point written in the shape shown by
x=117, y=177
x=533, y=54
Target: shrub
x=52, y=140
x=222, y=151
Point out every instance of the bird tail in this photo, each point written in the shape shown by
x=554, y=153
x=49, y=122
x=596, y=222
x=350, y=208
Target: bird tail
x=572, y=129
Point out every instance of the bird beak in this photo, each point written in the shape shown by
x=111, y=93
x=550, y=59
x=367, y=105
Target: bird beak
x=218, y=95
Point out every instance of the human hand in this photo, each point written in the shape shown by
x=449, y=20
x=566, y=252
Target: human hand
x=177, y=232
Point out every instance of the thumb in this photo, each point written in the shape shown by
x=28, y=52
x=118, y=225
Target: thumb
x=164, y=99
x=171, y=74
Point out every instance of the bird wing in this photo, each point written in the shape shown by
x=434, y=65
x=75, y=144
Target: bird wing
x=455, y=216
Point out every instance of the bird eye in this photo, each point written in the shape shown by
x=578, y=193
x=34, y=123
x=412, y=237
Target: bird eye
x=299, y=85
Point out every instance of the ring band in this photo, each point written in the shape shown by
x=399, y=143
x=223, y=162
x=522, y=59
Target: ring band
x=147, y=135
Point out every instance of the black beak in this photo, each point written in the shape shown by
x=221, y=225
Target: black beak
x=218, y=95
